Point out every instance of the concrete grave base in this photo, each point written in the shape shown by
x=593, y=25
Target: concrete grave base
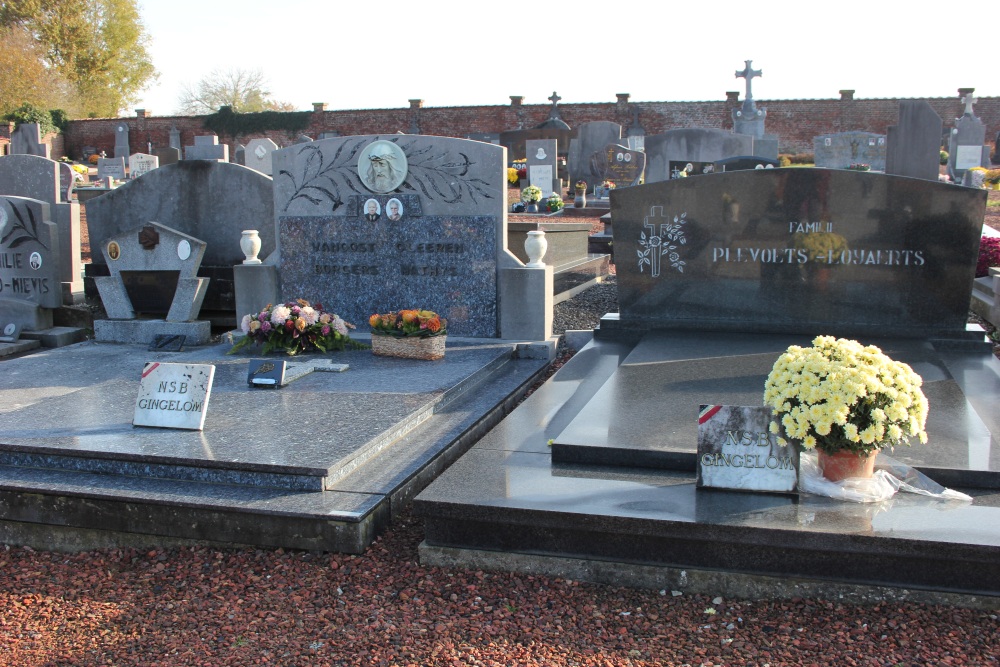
x=143, y=331
x=56, y=336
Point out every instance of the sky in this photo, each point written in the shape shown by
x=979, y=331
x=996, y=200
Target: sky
x=375, y=54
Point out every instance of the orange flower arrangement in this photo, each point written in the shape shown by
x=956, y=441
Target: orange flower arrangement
x=412, y=323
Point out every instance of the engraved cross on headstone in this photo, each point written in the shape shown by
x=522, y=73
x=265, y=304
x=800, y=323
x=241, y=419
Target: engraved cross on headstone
x=748, y=73
x=968, y=101
x=655, y=240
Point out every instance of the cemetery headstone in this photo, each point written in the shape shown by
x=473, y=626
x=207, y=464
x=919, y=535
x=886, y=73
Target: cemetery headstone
x=996, y=150
x=144, y=262
x=636, y=134
x=913, y=145
x=174, y=395
x=590, y=143
x=843, y=149
x=240, y=155
x=175, y=138
x=748, y=119
x=618, y=164
x=39, y=178
x=111, y=167
x=543, y=165
x=803, y=255
x=966, y=147
x=488, y=137
x=122, y=149
x=29, y=263
x=442, y=255
x=220, y=201
x=9, y=332
x=207, y=147
x=696, y=146
x=27, y=140
x=67, y=179
x=167, y=155
x=141, y=163
x=258, y=154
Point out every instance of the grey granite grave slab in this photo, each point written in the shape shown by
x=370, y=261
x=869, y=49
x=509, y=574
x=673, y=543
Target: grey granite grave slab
x=913, y=145
x=965, y=147
x=621, y=165
x=167, y=155
x=843, y=149
x=443, y=254
x=590, y=141
x=40, y=178
x=899, y=258
x=70, y=458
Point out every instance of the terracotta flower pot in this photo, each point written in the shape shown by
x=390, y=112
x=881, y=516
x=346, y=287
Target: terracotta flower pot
x=844, y=465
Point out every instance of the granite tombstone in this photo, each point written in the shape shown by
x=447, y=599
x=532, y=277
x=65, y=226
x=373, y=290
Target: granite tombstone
x=966, y=141
x=207, y=147
x=913, y=145
x=620, y=165
x=543, y=165
x=843, y=149
x=27, y=140
x=167, y=155
x=40, y=178
x=141, y=163
x=219, y=200
x=696, y=146
x=122, y=149
x=589, y=145
x=29, y=263
x=111, y=168
x=442, y=255
x=837, y=251
x=258, y=154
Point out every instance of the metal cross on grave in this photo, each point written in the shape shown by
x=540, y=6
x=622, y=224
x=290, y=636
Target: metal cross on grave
x=748, y=73
x=968, y=101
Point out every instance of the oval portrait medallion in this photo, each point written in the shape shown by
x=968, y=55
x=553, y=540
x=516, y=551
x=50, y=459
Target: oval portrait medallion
x=382, y=166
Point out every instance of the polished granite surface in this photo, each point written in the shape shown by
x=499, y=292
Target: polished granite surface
x=646, y=413
x=509, y=495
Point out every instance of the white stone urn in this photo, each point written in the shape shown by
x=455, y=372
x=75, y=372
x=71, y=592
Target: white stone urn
x=535, y=246
x=250, y=245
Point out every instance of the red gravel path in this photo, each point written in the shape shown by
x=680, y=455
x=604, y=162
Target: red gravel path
x=199, y=606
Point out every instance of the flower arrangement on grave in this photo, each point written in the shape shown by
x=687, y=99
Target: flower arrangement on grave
x=992, y=177
x=411, y=334
x=581, y=186
x=608, y=185
x=522, y=168
x=989, y=255
x=554, y=203
x=413, y=323
x=531, y=194
x=512, y=176
x=294, y=327
x=821, y=246
x=94, y=158
x=859, y=166
x=840, y=396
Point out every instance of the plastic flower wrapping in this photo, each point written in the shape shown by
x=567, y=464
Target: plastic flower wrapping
x=839, y=395
x=408, y=324
x=294, y=327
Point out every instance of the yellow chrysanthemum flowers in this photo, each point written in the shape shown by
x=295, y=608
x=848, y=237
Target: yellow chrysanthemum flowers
x=839, y=394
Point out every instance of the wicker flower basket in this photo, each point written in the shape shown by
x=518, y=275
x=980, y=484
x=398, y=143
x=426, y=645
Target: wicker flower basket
x=409, y=347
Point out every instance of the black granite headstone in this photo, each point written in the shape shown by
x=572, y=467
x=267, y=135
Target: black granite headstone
x=798, y=251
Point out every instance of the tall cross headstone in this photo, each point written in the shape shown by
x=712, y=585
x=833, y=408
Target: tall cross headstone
x=966, y=142
x=968, y=101
x=748, y=119
x=175, y=137
x=121, y=140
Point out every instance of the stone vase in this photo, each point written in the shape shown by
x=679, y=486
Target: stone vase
x=250, y=245
x=532, y=207
x=535, y=246
x=844, y=465
x=580, y=201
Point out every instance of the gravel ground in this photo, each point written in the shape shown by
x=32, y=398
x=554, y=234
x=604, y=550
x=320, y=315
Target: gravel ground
x=207, y=607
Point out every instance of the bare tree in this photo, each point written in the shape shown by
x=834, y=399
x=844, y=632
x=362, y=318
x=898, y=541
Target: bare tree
x=243, y=90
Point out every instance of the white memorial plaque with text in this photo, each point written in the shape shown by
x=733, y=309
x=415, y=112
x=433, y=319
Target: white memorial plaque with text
x=540, y=175
x=737, y=451
x=174, y=395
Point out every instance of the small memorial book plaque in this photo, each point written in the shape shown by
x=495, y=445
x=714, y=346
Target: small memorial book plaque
x=736, y=450
x=174, y=395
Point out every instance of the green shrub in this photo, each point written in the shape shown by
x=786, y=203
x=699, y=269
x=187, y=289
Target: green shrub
x=233, y=123
x=29, y=113
x=944, y=157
